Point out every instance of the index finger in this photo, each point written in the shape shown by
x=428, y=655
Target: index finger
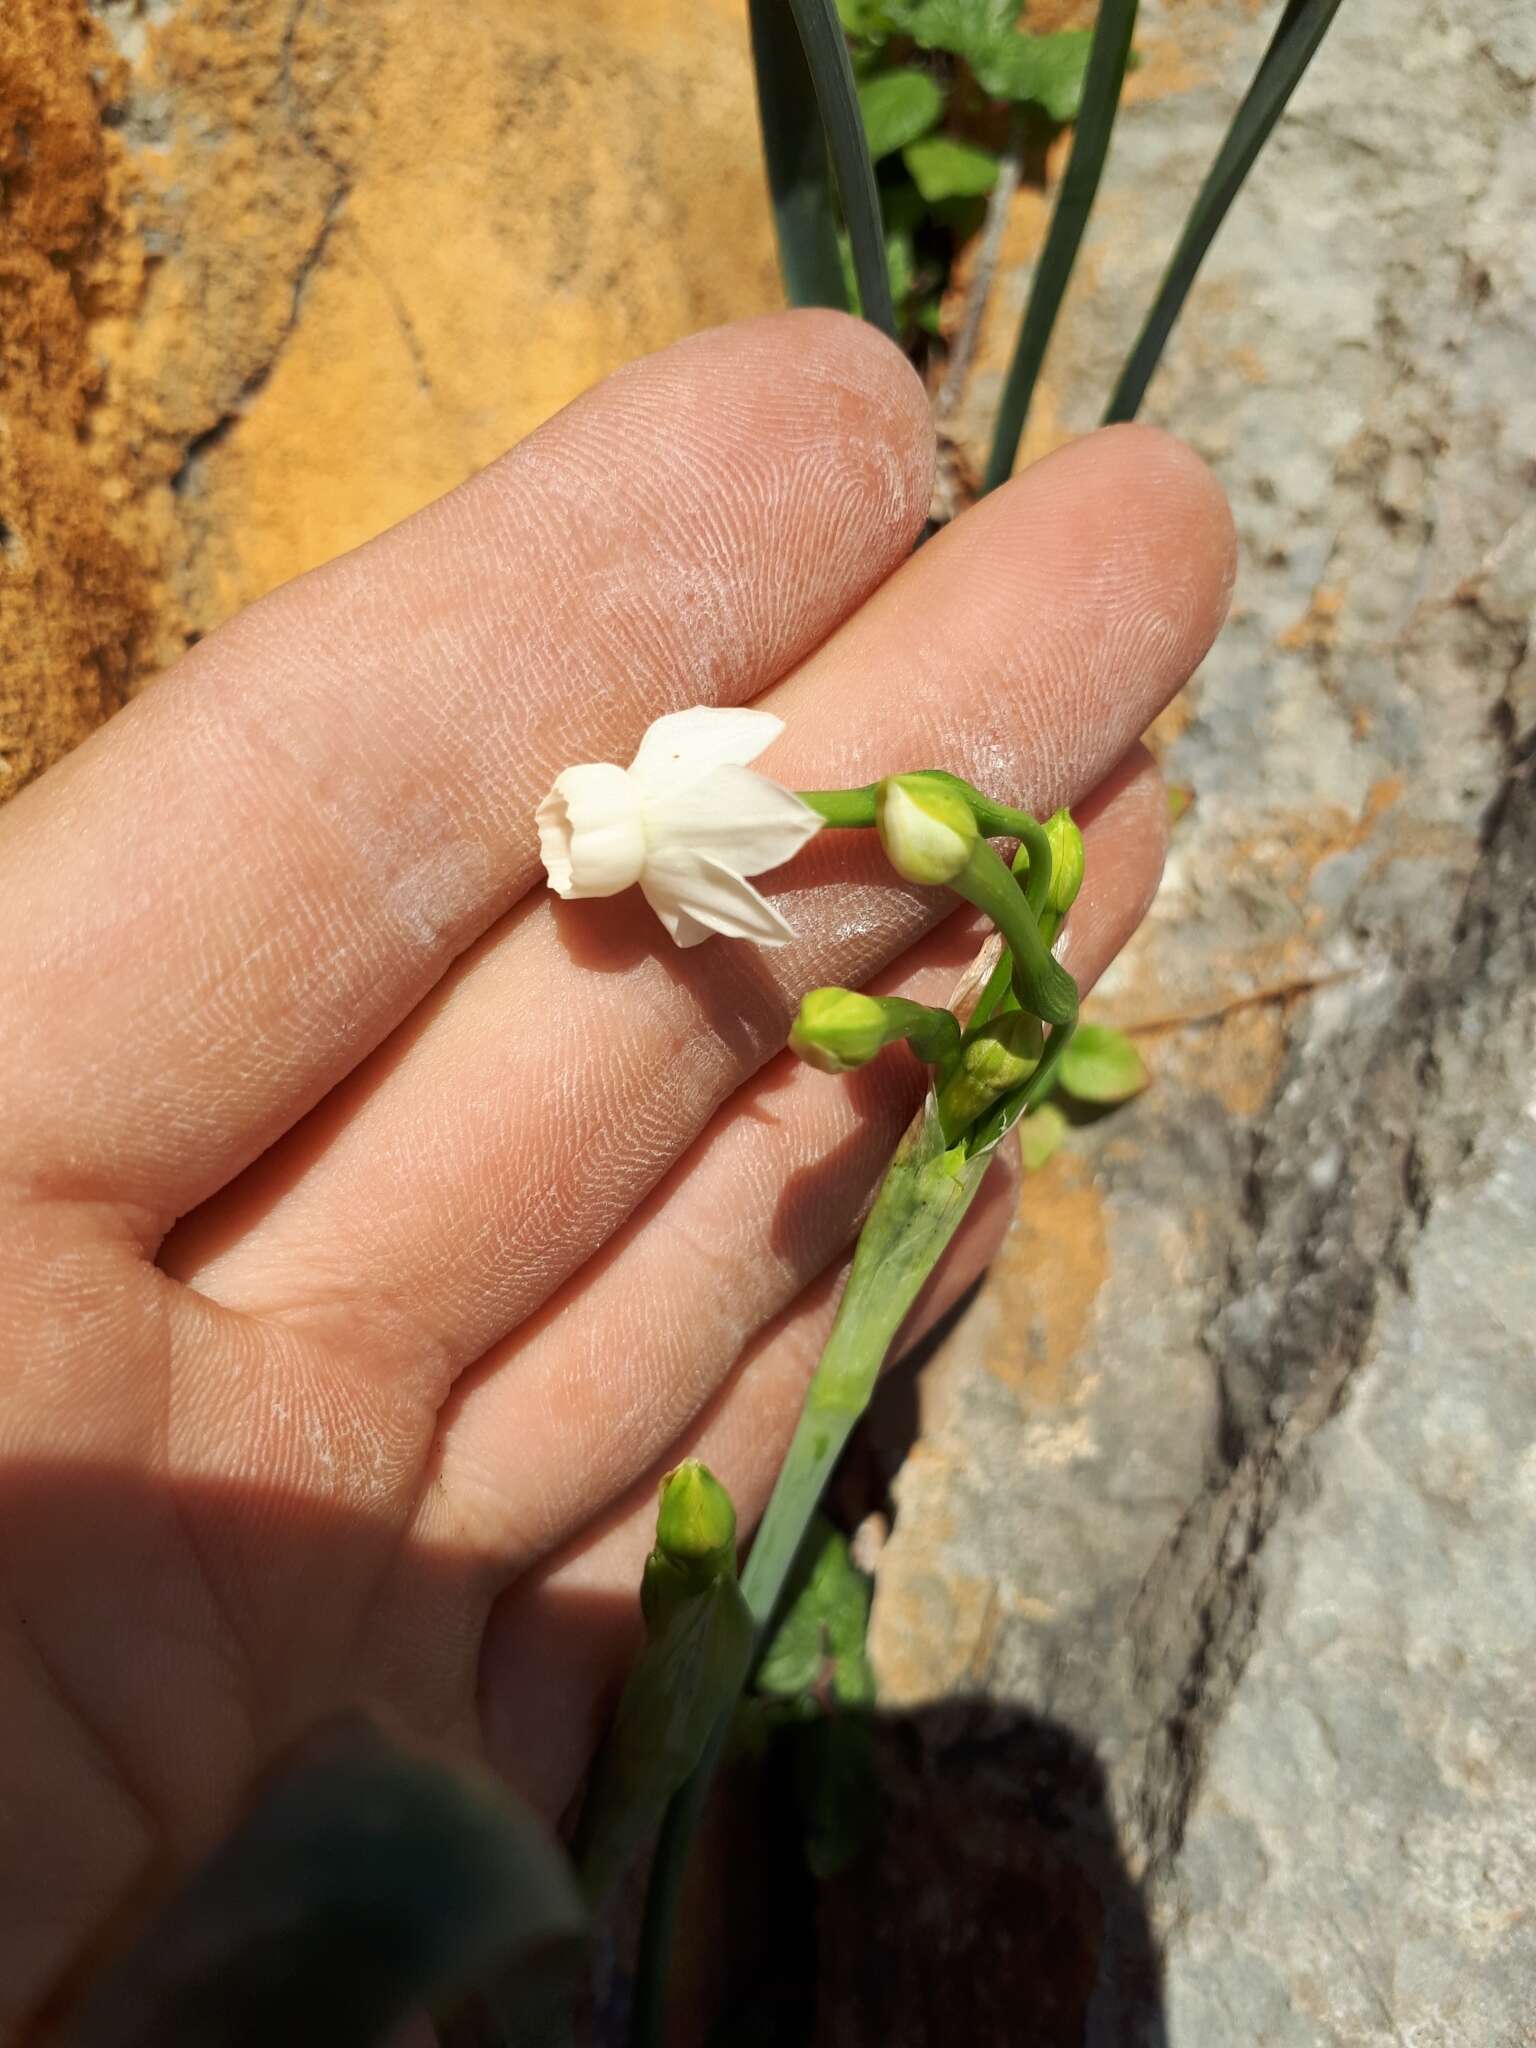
x=225, y=900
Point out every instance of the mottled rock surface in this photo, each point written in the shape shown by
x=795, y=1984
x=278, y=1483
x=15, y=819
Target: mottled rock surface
x=275, y=273
x=1213, y=1547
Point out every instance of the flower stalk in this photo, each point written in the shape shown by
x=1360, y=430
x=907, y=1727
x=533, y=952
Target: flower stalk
x=690, y=822
x=840, y=1029
x=1006, y=1064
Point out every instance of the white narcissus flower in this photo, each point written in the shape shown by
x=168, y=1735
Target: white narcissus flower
x=687, y=820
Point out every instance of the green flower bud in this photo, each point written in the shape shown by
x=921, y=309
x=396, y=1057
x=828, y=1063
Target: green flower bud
x=695, y=1542
x=696, y=1523
x=1067, y=862
x=838, y=1029
x=927, y=830
x=1000, y=1058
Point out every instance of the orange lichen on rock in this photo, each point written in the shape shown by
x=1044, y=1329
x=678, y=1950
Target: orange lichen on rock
x=276, y=275
x=77, y=585
x=1048, y=1277
x=1318, y=625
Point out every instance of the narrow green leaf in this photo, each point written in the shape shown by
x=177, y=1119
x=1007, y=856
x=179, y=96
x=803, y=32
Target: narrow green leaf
x=683, y=1681
x=1040, y=1136
x=1300, y=30
x=898, y=106
x=943, y=167
x=831, y=76
x=1107, y=58
x=900, y=266
x=795, y=152
x=1102, y=1065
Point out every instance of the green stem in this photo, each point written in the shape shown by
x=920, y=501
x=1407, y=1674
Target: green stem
x=999, y=986
x=842, y=806
x=1034, y=851
x=925, y=1194
x=1042, y=983
x=934, y=1035
x=1002, y=821
x=658, y=1928
x=852, y=807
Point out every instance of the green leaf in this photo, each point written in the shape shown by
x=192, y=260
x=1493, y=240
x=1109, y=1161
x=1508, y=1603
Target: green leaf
x=869, y=19
x=959, y=26
x=1102, y=1065
x=900, y=265
x=684, y=1680
x=1046, y=71
x=927, y=1190
x=799, y=170
x=943, y=167
x=1040, y=1136
x=810, y=112
x=898, y=106
x=818, y=1647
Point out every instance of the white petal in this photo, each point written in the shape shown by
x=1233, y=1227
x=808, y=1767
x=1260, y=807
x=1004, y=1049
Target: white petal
x=694, y=896
x=591, y=837
x=681, y=928
x=685, y=745
x=740, y=819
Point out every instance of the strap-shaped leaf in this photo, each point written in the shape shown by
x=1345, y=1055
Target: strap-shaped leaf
x=805, y=80
x=1107, y=60
x=1301, y=29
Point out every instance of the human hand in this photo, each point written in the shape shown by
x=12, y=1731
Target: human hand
x=374, y=1229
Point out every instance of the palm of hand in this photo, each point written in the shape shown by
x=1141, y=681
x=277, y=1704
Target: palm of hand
x=489, y=1208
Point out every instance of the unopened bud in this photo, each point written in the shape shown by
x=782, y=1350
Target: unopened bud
x=1067, y=862
x=696, y=1519
x=695, y=1541
x=927, y=830
x=1000, y=1058
x=838, y=1029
